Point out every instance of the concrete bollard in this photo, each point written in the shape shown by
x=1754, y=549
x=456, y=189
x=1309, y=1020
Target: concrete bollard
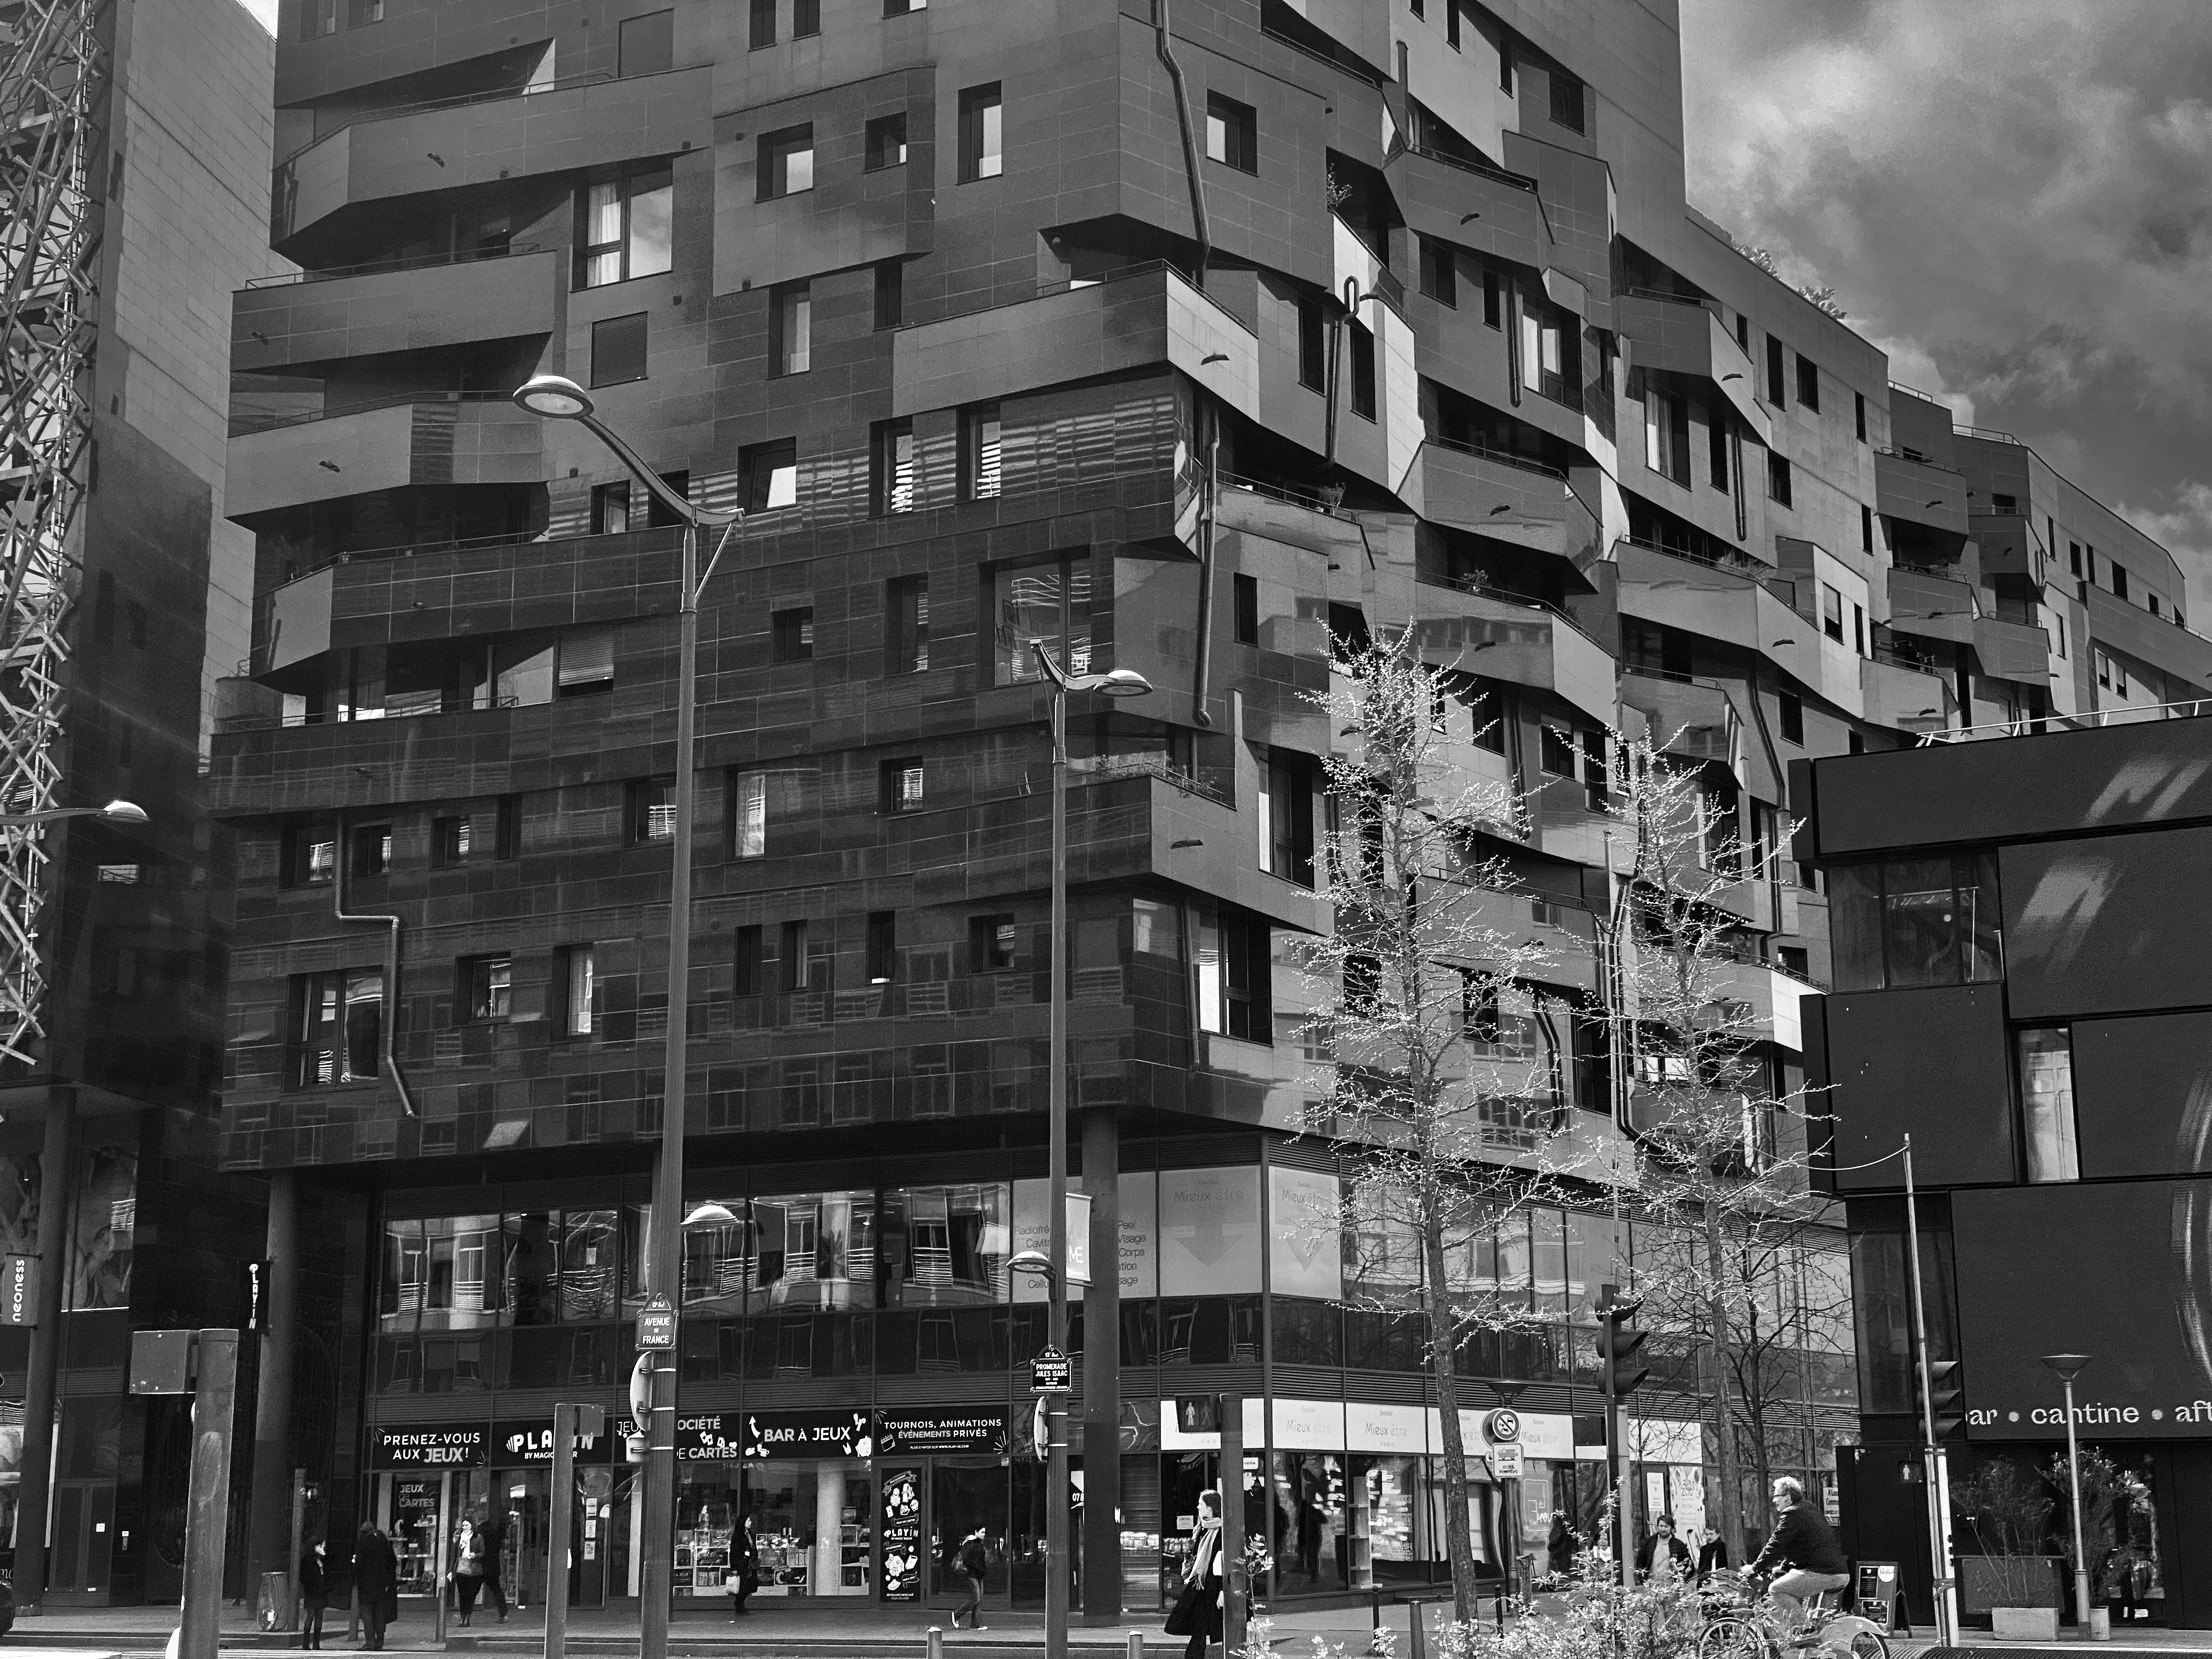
x=1417, y=1646
x=1136, y=1644
x=936, y=1650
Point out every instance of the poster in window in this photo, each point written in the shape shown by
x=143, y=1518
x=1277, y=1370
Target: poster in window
x=1209, y=1234
x=1306, y=1254
x=902, y=1529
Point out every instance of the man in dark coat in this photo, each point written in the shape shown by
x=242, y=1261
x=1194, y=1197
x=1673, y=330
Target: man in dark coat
x=1805, y=1550
x=376, y=1578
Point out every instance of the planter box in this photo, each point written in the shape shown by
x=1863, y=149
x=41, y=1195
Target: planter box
x=1989, y=1581
x=2025, y=1624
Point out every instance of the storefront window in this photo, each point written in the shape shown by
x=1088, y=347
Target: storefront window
x=441, y=1273
x=1310, y=1549
x=945, y=1246
x=106, y=1221
x=1916, y=921
x=813, y=1250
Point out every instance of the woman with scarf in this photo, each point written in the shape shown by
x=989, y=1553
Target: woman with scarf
x=1197, y=1612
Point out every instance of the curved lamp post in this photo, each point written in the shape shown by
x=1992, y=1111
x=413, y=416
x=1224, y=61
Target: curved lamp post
x=556, y=397
x=116, y=811
x=2070, y=1366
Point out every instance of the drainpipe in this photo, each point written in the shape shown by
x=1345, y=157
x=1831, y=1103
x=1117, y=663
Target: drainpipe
x=1189, y=139
x=386, y=1034
x=1513, y=341
x=1206, y=534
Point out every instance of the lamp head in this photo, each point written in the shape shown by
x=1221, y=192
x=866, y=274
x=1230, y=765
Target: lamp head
x=553, y=397
x=1036, y=1263
x=2067, y=1366
x=1120, y=682
x=712, y=1214
x=123, y=811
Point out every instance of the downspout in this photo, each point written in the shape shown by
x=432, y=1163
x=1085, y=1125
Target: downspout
x=1736, y=454
x=386, y=1034
x=1203, y=677
x=1190, y=140
x=1513, y=341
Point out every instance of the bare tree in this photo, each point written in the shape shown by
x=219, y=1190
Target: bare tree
x=1458, y=1128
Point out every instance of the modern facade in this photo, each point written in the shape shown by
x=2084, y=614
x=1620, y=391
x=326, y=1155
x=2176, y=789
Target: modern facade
x=1181, y=349
x=2017, y=987
x=137, y=141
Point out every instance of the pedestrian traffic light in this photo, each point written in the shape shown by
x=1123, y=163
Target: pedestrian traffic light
x=1947, y=1397
x=1620, y=1350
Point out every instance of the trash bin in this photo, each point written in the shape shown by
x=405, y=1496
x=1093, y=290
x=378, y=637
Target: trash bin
x=278, y=1612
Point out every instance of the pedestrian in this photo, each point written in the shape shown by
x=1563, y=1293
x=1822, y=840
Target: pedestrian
x=315, y=1594
x=972, y=1561
x=1197, y=1612
x=1560, y=1546
x=376, y=1577
x=1712, y=1556
x=745, y=1567
x=1664, y=1558
x=468, y=1568
x=495, y=1534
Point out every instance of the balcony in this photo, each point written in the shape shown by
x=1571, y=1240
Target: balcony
x=1906, y=699
x=1145, y=317
x=323, y=318
x=2008, y=547
x=1508, y=500
x=1682, y=336
x=446, y=441
x=451, y=146
x=1935, y=607
x=1434, y=192
x=1699, y=719
x=1919, y=492
x=1533, y=645
x=1769, y=999
x=2158, y=641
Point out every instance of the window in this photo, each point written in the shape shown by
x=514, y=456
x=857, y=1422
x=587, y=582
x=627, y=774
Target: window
x=1808, y=383
x=902, y=785
x=1566, y=100
x=1743, y=333
x=624, y=227
x=979, y=451
x=507, y=832
x=907, y=636
x=652, y=809
x=1362, y=370
x=2089, y=561
x=1793, y=718
x=1550, y=355
x=748, y=815
x=1313, y=352
x=1451, y=24
x=982, y=154
x=1287, y=826
x=901, y=7
x=791, y=329
x=1916, y=921
x=1247, y=592
x=372, y=850
x=339, y=1021
x=791, y=968
x=1776, y=386
x=769, y=474
x=1485, y=707
x=883, y=946
x=1858, y=628
x=1231, y=966
x=886, y=142
x=571, y=986
x=310, y=856
x=1049, y=604
x=618, y=350
x=786, y=162
x=2004, y=504
x=1232, y=133
x=890, y=468
x=1858, y=414
x=1716, y=453
x=1857, y=743
x=1866, y=529
x=2119, y=579
x=1778, y=479
x=1666, y=434
x=790, y=634
x=449, y=842
x=2046, y=1103
x=745, y=962
x=1832, y=613
x=611, y=508
x=1439, y=275
x=1559, y=752
x=891, y=294
x=585, y=661
x=763, y=25
x=646, y=45
x=488, y=986
x=1493, y=300
x=318, y=18
x=805, y=18
x=1505, y=63
x=990, y=943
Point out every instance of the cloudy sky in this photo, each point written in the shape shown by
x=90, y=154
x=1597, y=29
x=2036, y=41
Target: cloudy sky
x=2013, y=199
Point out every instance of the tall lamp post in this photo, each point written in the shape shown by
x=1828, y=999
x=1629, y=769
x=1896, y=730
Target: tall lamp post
x=116, y=811
x=554, y=398
x=2070, y=1366
x=1116, y=683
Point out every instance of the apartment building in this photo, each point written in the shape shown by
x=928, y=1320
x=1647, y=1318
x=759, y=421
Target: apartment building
x=2016, y=988
x=1181, y=349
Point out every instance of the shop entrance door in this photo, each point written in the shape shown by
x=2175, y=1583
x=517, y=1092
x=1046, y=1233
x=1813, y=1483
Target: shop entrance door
x=967, y=1496
x=519, y=1510
x=84, y=1536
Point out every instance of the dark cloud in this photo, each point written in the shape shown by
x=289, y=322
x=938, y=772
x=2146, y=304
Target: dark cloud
x=2014, y=198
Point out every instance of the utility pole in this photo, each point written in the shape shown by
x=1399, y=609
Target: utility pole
x=207, y=1513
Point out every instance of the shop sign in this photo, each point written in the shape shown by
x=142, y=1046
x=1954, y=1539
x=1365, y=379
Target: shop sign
x=804, y=1434
x=530, y=1440
x=922, y=1433
x=414, y=1501
x=19, y=1290
x=1308, y=1425
x=1381, y=1428
x=1548, y=1435
x=901, y=1529
x=707, y=1438
x=431, y=1446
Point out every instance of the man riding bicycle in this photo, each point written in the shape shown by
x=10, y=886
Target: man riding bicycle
x=1805, y=1549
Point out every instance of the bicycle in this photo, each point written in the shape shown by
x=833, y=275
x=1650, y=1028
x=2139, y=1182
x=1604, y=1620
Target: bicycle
x=1752, y=1633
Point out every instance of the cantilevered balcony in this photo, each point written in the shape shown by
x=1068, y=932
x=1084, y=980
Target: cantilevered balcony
x=1935, y=607
x=1501, y=636
x=1919, y=491
x=1149, y=316
x=2008, y=546
x=1742, y=604
x=1701, y=719
x=315, y=317
x=1508, y=500
x=455, y=143
x=2159, y=642
x=1682, y=336
x=448, y=440
x=1905, y=697
x=1435, y=191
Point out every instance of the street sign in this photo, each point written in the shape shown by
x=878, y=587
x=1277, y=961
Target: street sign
x=1505, y=1462
x=160, y=1362
x=19, y=1291
x=1049, y=1372
x=656, y=1324
x=1502, y=1425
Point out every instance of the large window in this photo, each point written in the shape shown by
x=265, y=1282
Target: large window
x=1287, y=826
x=748, y=815
x=624, y=227
x=516, y=1267
x=891, y=468
x=1550, y=355
x=1048, y=603
x=884, y=142
x=1232, y=133
x=1666, y=434
x=982, y=143
x=1230, y=964
x=337, y=1024
x=979, y=451
x=768, y=475
x=2046, y=1102
x=791, y=330
x=618, y=350
x=907, y=632
x=786, y=162
x=1916, y=921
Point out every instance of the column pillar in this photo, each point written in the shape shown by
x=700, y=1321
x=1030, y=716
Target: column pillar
x=1101, y=1371
x=271, y=1510
x=57, y=1196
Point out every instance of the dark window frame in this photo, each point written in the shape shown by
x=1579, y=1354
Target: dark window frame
x=791, y=634
x=977, y=107
x=484, y=989
x=1439, y=272
x=1245, y=590
x=906, y=624
x=879, y=138
x=615, y=332
x=774, y=152
x=1239, y=126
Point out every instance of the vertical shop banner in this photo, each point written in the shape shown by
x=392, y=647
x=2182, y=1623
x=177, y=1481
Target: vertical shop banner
x=902, y=1527
x=1210, y=1232
x=1304, y=1234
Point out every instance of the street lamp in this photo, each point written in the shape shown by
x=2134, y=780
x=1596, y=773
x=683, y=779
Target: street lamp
x=2070, y=1366
x=1116, y=683
x=116, y=811
x=554, y=398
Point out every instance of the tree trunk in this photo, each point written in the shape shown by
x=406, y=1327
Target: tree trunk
x=1459, y=1541
x=1731, y=1488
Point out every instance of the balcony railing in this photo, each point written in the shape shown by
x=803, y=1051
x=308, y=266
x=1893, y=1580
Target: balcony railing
x=1482, y=451
x=382, y=267
x=2091, y=721
x=1919, y=459
x=1480, y=169
x=244, y=425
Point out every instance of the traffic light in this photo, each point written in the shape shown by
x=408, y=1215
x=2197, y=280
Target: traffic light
x=1946, y=1396
x=1620, y=1350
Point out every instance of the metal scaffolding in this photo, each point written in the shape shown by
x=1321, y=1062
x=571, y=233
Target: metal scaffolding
x=49, y=93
